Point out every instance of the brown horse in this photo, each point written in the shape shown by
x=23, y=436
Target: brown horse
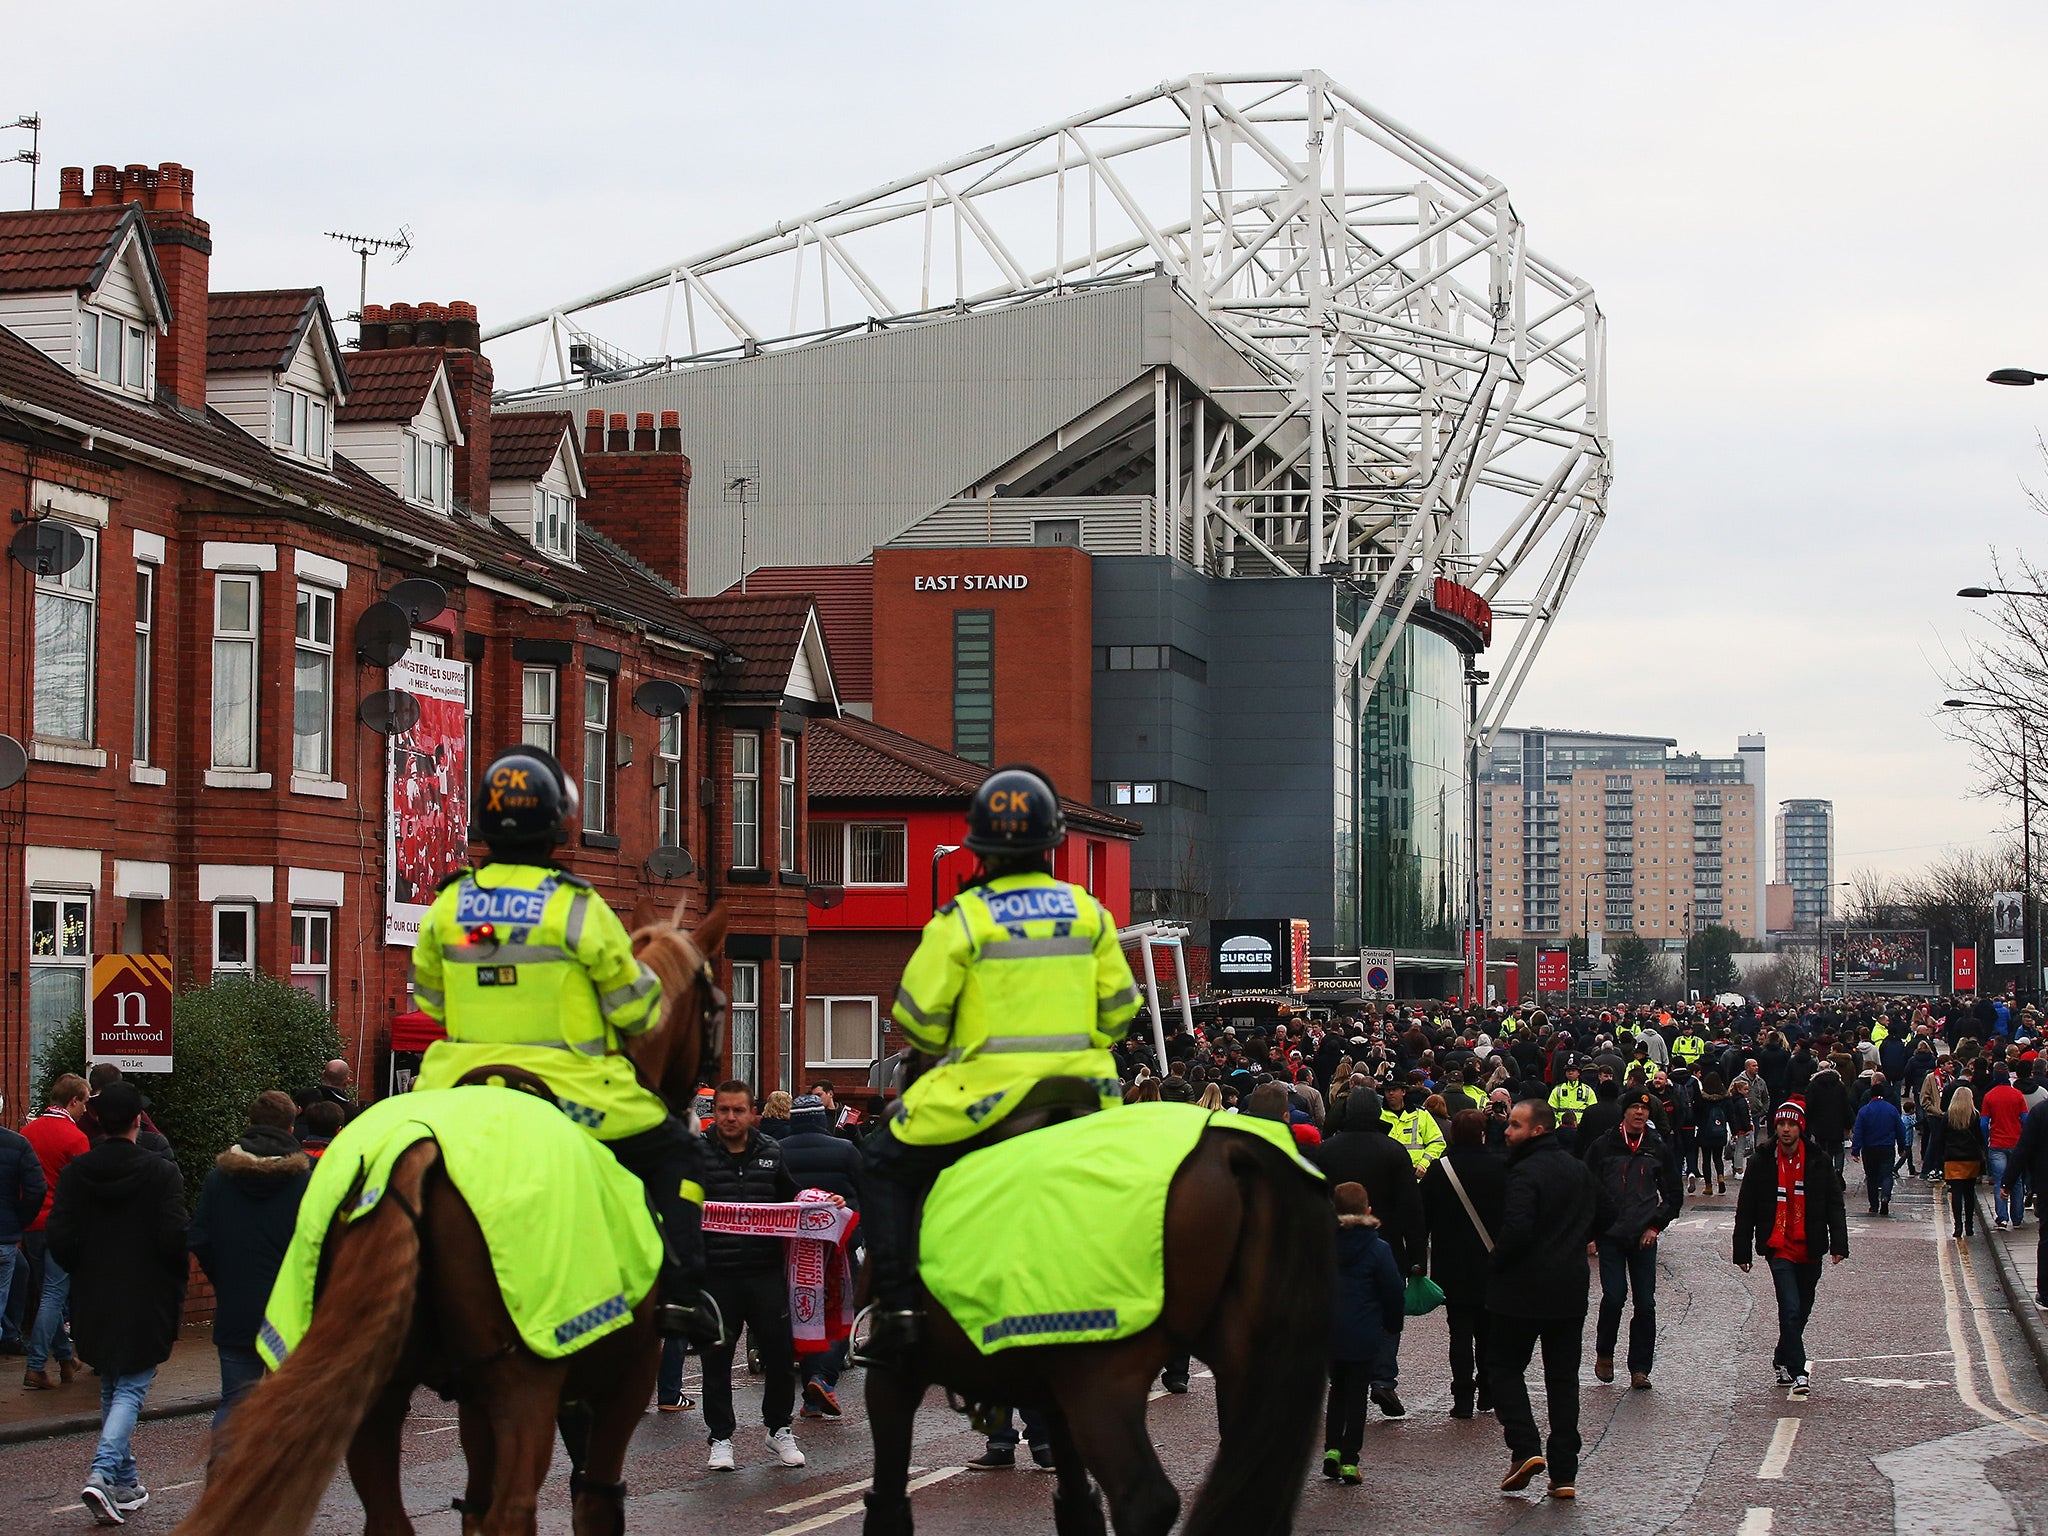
x=407, y=1296
x=1249, y=1266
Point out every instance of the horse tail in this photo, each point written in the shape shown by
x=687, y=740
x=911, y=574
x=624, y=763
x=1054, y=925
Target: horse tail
x=1276, y=1301
x=287, y=1437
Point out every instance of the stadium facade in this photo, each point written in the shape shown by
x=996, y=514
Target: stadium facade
x=1208, y=486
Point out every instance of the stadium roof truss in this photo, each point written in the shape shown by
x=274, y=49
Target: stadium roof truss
x=1435, y=392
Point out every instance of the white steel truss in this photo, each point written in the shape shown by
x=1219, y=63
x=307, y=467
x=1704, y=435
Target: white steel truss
x=1434, y=393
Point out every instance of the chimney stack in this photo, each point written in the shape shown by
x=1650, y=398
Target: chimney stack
x=184, y=252
x=453, y=327
x=639, y=482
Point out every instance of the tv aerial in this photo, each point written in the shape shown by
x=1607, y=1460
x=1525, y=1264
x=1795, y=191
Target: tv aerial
x=366, y=246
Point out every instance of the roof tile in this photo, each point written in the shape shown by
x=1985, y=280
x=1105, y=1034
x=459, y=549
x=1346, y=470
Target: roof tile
x=390, y=385
x=524, y=443
x=52, y=249
x=764, y=628
x=257, y=330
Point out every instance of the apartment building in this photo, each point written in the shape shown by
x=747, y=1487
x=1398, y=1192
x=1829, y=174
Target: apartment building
x=1584, y=833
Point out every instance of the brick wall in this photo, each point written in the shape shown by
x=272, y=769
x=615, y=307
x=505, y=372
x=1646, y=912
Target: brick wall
x=639, y=482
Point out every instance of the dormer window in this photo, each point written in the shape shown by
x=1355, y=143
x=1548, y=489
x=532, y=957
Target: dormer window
x=115, y=350
x=298, y=424
x=554, y=523
x=428, y=468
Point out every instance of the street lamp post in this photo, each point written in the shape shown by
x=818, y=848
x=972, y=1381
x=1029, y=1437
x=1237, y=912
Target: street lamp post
x=1475, y=923
x=939, y=853
x=2030, y=939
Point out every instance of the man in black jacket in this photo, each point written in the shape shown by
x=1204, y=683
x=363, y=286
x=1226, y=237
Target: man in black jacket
x=118, y=1228
x=1827, y=1112
x=22, y=1188
x=2027, y=1169
x=247, y=1209
x=1537, y=1295
x=816, y=1159
x=745, y=1276
x=1639, y=1198
x=1361, y=1152
x=1790, y=1210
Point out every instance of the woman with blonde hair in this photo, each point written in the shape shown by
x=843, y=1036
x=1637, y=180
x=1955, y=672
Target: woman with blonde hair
x=775, y=1111
x=1212, y=1098
x=1962, y=1159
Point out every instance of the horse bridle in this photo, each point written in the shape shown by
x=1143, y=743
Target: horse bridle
x=711, y=999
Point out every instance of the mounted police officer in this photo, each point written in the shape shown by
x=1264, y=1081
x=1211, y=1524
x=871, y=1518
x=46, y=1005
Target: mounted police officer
x=1018, y=979
x=526, y=966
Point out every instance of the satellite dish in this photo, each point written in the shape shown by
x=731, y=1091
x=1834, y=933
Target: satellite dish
x=661, y=698
x=389, y=711
x=382, y=634
x=13, y=762
x=421, y=597
x=47, y=547
x=671, y=863
x=825, y=897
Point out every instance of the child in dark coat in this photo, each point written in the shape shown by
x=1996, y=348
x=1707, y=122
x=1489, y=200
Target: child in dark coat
x=1368, y=1308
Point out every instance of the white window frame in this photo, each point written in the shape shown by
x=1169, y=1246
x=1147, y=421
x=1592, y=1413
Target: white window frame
x=73, y=964
x=744, y=1014
x=246, y=910
x=537, y=729
x=311, y=975
x=746, y=799
x=311, y=650
x=79, y=587
x=299, y=424
x=785, y=999
x=226, y=642
x=426, y=471
x=145, y=657
x=133, y=357
x=554, y=522
x=786, y=804
x=829, y=1004
x=671, y=812
x=597, y=752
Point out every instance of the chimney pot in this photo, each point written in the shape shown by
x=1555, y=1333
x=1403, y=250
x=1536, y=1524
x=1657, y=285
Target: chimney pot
x=135, y=181
x=398, y=328
x=106, y=185
x=593, y=431
x=621, y=441
x=429, y=326
x=671, y=438
x=371, y=332
x=462, y=330
x=643, y=432
x=170, y=194
x=71, y=187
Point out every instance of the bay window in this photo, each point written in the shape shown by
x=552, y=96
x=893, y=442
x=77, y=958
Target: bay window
x=537, y=707
x=746, y=799
x=669, y=784
x=313, y=684
x=597, y=752
x=235, y=605
x=67, y=620
x=786, y=804
x=59, y=959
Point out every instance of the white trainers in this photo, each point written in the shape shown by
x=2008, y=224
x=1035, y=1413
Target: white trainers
x=721, y=1456
x=783, y=1444
x=1800, y=1385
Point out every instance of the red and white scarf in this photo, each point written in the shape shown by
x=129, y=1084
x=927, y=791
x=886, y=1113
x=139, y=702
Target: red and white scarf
x=1788, y=1230
x=815, y=1234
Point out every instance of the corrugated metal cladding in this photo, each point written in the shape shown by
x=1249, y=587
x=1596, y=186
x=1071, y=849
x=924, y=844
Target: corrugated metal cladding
x=860, y=437
x=1110, y=525
x=845, y=595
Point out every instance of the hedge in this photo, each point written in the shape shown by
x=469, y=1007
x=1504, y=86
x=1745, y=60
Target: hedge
x=230, y=1041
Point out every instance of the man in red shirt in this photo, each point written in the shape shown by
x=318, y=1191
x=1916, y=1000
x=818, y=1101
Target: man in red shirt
x=57, y=1139
x=2006, y=1107
x=1790, y=1210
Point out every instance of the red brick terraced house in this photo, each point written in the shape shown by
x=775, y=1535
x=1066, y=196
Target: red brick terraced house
x=885, y=846
x=199, y=781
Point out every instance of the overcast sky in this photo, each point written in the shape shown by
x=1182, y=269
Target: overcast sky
x=1813, y=227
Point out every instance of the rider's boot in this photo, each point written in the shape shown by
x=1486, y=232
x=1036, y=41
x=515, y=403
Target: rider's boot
x=895, y=1325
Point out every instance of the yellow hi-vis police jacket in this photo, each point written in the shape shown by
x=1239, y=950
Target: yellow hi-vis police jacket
x=1577, y=1097
x=1418, y=1132
x=1689, y=1048
x=550, y=988
x=1015, y=981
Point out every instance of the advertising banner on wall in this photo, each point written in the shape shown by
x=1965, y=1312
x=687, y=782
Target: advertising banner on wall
x=131, y=1013
x=1965, y=968
x=1876, y=957
x=426, y=811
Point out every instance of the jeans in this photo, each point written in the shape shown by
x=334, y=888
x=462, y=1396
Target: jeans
x=13, y=1274
x=1468, y=1323
x=760, y=1299
x=1035, y=1432
x=48, y=1336
x=1386, y=1370
x=824, y=1367
x=1510, y=1342
x=240, y=1369
x=1626, y=1267
x=1794, y=1284
x=1997, y=1159
x=1878, y=1166
x=121, y=1400
x=1906, y=1149
x=1350, y=1399
x=668, y=1381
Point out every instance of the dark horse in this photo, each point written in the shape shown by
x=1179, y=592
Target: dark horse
x=404, y=1302
x=1249, y=1270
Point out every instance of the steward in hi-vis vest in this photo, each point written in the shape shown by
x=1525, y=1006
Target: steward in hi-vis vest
x=524, y=965
x=1017, y=979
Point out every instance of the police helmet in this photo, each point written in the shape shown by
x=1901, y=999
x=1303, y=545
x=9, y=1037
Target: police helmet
x=524, y=797
x=1016, y=810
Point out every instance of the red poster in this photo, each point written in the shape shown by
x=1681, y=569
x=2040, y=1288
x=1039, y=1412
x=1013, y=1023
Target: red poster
x=427, y=788
x=1966, y=968
x=1475, y=967
x=1299, y=934
x=1553, y=973
x=1511, y=987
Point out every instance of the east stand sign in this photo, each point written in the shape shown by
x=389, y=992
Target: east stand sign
x=130, y=1022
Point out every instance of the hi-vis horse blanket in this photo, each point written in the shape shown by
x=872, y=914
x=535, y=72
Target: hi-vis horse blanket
x=1058, y=1236
x=571, y=1241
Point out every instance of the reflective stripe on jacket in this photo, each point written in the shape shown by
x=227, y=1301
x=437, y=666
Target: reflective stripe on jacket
x=1017, y=980
x=550, y=989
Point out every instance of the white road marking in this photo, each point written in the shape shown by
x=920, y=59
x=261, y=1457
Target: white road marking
x=1780, y=1450
x=830, y=1493
x=846, y=1511
x=1924, y=1354
x=1910, y=1384
x=1755, y=1522
x=65, y=1509
x=444, y=1429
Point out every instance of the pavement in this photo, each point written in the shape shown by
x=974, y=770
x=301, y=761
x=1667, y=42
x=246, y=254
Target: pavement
x=188, y=1382
x=1926, y=1416
x=2016, y=1254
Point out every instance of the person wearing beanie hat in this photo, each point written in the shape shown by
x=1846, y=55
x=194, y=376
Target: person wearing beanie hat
x=1790, y=1209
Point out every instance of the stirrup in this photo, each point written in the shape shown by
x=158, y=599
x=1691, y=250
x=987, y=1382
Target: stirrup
x=701, y=1323
x=874, y=1318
